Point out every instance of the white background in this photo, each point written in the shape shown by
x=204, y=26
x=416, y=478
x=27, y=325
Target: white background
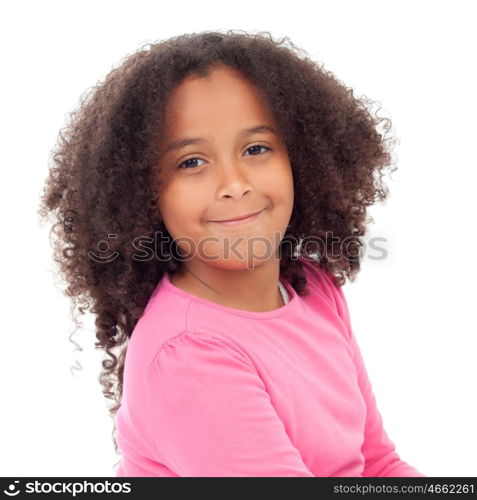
x=412, y=312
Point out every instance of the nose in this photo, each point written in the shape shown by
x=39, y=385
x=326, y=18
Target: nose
x=233, y=180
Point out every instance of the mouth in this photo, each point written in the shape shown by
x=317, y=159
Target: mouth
x=242, y=220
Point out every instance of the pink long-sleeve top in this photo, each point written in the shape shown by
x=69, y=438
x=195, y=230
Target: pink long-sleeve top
x=210, y=390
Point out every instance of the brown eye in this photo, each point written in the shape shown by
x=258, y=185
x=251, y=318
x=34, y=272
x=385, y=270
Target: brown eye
x=258, y=146
x=188, y=165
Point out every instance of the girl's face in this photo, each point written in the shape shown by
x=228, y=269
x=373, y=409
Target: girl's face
x=223, y=169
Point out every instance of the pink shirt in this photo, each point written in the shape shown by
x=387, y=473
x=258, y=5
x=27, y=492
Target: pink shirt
x=214, y=391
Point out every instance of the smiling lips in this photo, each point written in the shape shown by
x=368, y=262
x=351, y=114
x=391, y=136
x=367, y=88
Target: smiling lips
x=238, y=220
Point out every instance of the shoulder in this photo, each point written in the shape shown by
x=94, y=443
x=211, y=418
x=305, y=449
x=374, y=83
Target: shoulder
x=313, y=267
x=319, y=279
x=323, y=282
x=190, y=350
x=199, y=373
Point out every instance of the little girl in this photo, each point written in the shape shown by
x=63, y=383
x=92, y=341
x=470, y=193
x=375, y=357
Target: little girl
x=210, y=195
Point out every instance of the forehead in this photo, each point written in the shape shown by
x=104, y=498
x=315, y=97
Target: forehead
x=223, y=99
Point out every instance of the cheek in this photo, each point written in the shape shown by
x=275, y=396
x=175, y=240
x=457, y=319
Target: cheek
x=183, y=210
x=178, y=201
x=281, y=189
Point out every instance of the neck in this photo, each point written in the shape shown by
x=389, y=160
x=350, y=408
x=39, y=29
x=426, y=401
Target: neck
x=251, y=290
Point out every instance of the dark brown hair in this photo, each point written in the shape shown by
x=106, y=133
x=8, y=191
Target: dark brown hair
x=102, y=183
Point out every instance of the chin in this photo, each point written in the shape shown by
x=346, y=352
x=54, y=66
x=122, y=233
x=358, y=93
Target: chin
x=237, y=265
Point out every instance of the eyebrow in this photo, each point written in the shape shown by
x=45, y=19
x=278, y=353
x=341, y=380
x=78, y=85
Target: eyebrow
x=195, y=140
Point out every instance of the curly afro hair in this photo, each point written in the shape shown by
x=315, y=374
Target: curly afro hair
x=103, y=180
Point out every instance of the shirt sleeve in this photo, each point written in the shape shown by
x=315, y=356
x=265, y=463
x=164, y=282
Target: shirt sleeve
x=381, y=458
x=211, y=415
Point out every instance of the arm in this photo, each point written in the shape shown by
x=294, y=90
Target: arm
x=211, y=414
x=381, y=459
